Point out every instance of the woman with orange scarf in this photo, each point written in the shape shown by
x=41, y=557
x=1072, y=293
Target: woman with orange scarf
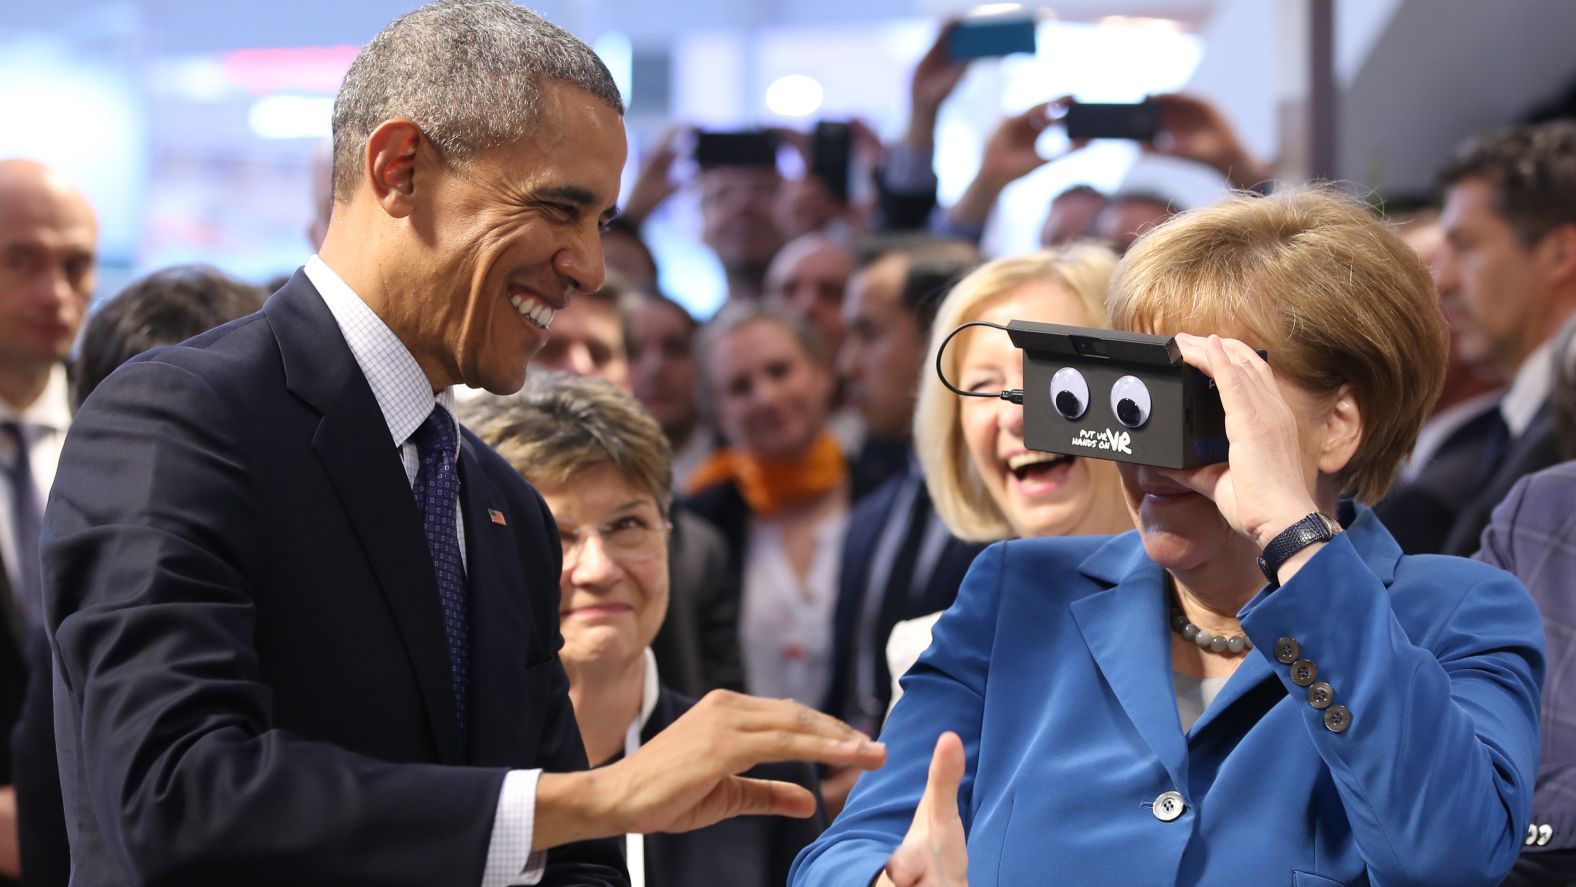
x=778, y=492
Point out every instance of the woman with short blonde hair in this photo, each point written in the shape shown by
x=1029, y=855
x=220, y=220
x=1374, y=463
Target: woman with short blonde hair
x=1388, y=346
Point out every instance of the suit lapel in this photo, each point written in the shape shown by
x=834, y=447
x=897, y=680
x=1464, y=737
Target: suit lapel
x=1251, y=677
x=500, y=624
x=352, y=443
x=1126, y=632
x=858, y=554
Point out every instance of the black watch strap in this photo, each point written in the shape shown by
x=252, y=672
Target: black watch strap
x=1316, y=527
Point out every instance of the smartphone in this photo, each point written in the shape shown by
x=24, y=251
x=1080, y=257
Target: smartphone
x=745, y=147
x=831, y=153
x=979, y=38
x=1138, y=122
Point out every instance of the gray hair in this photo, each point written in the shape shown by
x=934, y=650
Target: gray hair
x=558, y=427
x=468, y=72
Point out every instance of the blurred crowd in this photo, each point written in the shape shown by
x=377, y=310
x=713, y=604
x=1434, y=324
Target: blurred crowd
x=783, y=495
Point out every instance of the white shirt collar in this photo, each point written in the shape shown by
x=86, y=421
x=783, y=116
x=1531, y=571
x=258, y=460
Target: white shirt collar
x=1529, y=390
x=648, y=690
x=401, y=389
x=52, y=409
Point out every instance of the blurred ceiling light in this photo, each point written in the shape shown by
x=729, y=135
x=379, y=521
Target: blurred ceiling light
x=618, y=54
x=303, y=68
x=1138, y=21
x=200, y=77
x=994, y=9
x=292, y=116
x=795, y=95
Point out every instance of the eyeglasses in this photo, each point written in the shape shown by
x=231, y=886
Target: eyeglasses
x=627, y=539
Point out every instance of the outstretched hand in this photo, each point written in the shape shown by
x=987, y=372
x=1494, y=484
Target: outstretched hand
x=686, y=777
x=934, y=853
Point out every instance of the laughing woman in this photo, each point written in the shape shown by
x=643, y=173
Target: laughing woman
x=1256, y=686
x=986, y=484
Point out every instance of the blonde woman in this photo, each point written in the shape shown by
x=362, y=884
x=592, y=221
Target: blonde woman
x=987, y=486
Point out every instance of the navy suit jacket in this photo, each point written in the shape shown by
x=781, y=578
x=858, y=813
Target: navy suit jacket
x=1054, y=666
x=1533, y=450
x=1421, y=512
x=866, y=523
x=1533, y=535
x=252, y=681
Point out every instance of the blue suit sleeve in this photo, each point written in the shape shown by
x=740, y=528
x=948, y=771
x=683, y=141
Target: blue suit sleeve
x=1436, y=766
x=945, y=690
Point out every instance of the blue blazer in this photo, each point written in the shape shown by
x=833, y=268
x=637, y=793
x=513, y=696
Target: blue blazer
x=1054, y=666
x=251, y=677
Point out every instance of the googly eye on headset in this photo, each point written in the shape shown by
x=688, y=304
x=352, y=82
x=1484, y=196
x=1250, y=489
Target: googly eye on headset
x=1069, y=393
x=1130, y=401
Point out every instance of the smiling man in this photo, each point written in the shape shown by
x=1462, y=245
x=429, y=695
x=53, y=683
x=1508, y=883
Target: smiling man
x=304, y=626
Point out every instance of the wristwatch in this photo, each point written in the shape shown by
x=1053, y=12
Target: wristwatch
x=1316, y=527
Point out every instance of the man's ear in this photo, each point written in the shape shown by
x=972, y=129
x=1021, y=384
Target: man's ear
x=391, y=164
x=1559, y=252
x=1343, y=431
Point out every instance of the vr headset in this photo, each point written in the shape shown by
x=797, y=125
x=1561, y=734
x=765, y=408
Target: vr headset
x=1126, y=397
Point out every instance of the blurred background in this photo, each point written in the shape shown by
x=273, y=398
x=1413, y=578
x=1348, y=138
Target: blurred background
x=191, y=125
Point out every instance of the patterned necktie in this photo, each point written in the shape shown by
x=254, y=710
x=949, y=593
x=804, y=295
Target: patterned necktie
x=437, y=491
x=26, y=516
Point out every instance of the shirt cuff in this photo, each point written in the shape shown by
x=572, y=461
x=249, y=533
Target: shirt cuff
x=510, y=862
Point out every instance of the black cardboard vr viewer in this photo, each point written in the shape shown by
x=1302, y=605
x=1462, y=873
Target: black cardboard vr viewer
x=1126, y=397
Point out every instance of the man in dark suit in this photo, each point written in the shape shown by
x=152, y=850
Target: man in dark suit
x=1533, y=535
x=899, y=560
x=304, y=627
x=1507, y=273
x=48, y=239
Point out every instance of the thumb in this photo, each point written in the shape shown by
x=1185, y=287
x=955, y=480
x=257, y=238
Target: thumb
x=940, y=801
x=767, y=797
x=906, y=867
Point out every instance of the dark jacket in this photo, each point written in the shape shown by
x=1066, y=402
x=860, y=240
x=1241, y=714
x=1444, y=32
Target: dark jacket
x=251, y=675
x=1533, y=535
x=932, y=592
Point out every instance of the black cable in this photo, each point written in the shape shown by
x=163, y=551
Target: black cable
x=1014, y=395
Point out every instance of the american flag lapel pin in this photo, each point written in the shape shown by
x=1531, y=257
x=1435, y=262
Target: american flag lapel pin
x=497, y=517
